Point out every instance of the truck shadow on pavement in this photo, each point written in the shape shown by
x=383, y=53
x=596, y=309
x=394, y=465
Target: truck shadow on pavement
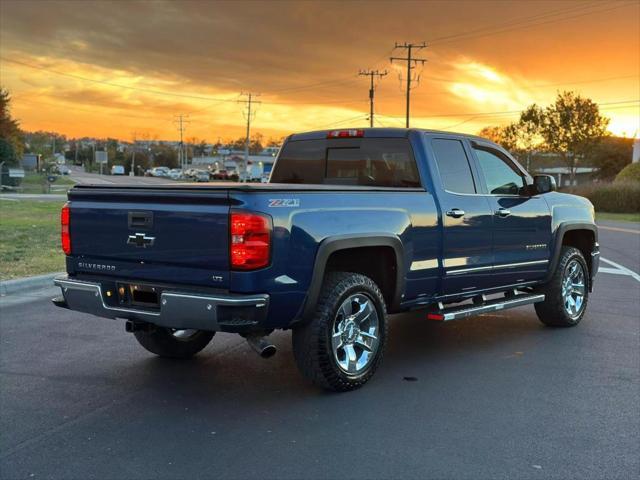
x=416, y=349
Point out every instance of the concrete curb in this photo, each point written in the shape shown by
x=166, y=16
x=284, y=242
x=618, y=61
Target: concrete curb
x=20, y=285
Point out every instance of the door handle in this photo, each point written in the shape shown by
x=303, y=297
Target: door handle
x=503, y=212
x=455, y=213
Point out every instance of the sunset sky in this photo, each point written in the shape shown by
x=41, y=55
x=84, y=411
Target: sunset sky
x=113, y=68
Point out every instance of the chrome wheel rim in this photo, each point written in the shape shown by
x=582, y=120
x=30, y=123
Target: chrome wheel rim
x=355, y=334
x=183, y=334
x=573, y=289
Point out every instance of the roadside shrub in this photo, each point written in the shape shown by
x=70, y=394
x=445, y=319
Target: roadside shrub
x=617, y=197
x=630, y=173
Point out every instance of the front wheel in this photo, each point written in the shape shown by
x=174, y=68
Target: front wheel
x=342, y=346
x=174, y=343
x=567, y=293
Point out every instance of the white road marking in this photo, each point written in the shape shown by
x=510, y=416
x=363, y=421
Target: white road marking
x=618, y=229
x=619, y=269
x=613, y=271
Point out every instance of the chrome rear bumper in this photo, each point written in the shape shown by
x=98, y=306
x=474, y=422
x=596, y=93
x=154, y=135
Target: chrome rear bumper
x=180, y=310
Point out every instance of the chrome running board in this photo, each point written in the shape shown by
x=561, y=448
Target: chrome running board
x=483, y=306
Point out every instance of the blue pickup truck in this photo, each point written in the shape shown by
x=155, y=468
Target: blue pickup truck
x=354, y=225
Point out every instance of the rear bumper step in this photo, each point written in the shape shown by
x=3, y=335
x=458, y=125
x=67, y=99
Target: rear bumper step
x=464, y=311
x=180, y=310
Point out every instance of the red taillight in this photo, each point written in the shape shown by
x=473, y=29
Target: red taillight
x=435, y=316
x=250, y=246
x=345, y=133
x=65, y=221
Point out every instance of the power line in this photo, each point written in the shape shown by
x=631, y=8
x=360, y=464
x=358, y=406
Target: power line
x=339, y=122
x=161, y=92
x=118, y=85
x=511, y=22
x=623, y=103
x=412, y=62
x=527, y=25
x=372, y=74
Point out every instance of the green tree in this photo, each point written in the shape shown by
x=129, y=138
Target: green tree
x=162, y=155
x=11, y=140
x=528, y=134
x=44, y=143
x=255, y=143
x=275, y=142
x=200, y=149
x=610, y=156
x=572, y=126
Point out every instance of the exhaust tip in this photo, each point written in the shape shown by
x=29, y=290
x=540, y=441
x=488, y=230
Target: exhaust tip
x=261, y=346
x=268, y=351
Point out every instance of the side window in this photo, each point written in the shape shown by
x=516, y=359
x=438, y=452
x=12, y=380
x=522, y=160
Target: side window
x=501, y=176
x=453, y=165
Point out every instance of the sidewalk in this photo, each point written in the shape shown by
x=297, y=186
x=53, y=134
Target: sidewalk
x=25, y=284
x=33, y=196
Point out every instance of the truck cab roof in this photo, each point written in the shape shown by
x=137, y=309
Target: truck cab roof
x=377, y=132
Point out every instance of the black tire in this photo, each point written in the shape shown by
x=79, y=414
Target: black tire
x=164, y=342
x=312, y=344
x=552, y=311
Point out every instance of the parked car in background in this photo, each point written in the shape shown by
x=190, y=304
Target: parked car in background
x=190, y=173
x=254, y=173
x=176, y=174
x=201, y=176
x=117, y=170
x=160, y=172
x=220, y=175
x=63, y=170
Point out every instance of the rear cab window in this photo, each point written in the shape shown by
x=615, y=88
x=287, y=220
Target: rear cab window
x=453, y=165
x=375, y=162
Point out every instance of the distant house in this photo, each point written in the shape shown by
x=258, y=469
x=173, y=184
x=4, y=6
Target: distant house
x=31, y=161
x=563, y=175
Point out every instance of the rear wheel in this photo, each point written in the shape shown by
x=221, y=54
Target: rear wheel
x=567, y=293
x=341, y=348
x=174, y=343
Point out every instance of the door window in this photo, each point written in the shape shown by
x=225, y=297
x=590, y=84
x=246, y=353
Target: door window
x=500, y=174
x=453, y=165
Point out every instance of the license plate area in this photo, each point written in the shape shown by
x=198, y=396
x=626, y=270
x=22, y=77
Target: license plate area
x=139, y=295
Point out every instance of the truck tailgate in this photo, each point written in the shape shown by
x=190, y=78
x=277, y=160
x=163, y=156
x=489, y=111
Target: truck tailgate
x=148, y=236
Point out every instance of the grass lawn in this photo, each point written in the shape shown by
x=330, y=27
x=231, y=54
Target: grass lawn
x=30, y=238
x=36, y=183
x=618, y=217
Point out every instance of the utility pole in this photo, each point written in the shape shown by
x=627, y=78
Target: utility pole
x=132, y=172
x=180, y=123
x=372, y=74
x=248, y=113
x=411, y=64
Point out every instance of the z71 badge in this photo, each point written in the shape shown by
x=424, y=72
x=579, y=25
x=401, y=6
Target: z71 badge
x=284, y=202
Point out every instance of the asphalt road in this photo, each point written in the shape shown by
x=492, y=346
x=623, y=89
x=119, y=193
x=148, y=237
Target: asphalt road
x=496, y=396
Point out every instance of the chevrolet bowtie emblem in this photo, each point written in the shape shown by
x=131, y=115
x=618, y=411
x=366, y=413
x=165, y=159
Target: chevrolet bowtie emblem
x=140, y=240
